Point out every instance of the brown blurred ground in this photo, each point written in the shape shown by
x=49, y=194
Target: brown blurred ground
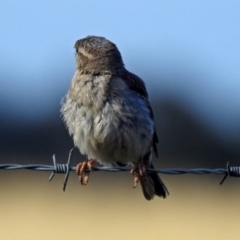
x=108, y=208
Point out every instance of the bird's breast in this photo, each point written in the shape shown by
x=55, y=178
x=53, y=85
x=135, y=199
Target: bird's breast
x=108, y=122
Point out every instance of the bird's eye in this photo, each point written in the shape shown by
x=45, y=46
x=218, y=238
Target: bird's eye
x=76, y=50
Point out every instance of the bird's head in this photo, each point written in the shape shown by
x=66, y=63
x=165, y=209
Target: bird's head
x=95, y=52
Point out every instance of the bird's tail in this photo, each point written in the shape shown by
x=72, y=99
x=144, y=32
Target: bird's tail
x=152, y=185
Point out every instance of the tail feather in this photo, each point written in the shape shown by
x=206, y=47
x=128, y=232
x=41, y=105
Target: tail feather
x=148, y=187
x=153, y=185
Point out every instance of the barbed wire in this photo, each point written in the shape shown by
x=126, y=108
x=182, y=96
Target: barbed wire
x=231, y=171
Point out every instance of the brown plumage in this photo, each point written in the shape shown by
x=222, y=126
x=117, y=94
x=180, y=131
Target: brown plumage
x=108, y=113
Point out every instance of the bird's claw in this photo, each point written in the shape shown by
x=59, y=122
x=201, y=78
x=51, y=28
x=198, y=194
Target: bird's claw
x=83, y=170
x=136, y=180
x=138, y=171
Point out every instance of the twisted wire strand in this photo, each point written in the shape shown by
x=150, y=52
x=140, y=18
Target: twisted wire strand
x=62, y=169
x=231, y=171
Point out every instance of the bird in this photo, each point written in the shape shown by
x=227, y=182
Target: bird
x=108, y=114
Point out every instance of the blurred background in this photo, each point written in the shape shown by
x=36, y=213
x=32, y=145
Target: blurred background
x=187, y=52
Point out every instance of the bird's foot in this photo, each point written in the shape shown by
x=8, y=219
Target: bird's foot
x=81, y=170
x=138, y=171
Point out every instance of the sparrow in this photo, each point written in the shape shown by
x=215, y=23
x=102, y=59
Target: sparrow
x=109, y=116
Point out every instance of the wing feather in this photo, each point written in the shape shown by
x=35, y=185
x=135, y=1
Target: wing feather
x=137, y=85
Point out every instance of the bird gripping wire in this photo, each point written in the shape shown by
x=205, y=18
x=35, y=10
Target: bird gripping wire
x=229, y=171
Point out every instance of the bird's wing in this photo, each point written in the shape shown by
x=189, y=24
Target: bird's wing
x=137, y=85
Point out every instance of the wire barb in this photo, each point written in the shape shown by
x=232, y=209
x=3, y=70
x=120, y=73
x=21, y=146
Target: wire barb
x=62, y=168
x=231, y=171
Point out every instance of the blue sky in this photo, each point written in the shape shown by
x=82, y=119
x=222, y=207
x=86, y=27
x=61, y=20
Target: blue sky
x=186, y=50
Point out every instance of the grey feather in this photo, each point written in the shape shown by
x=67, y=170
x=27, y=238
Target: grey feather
x=107, y=111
